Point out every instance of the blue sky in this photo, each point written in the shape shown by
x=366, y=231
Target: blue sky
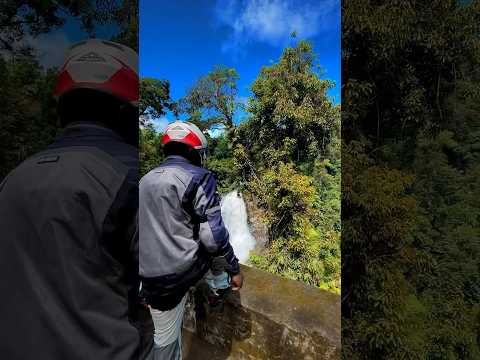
x=182, y=40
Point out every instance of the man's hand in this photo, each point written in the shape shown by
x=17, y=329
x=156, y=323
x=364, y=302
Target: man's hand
x=237, y=281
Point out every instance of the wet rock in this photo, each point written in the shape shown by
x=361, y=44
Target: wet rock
x=257, y=227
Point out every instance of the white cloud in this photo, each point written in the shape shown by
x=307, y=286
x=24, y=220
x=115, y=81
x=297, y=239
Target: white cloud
x=273, y=21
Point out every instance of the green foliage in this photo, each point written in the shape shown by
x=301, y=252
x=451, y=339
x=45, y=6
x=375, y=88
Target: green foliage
x=288, y=156
x=149, y=153
x=287, y=195
x=242, y=165
x=154, y=99
x=326, y=179
x=410, y=226
x=154, y=102
x=212, y=101
x=311, y=257
x=290, y=101
x=28, y=121
x=126, y=16
x=220, y=161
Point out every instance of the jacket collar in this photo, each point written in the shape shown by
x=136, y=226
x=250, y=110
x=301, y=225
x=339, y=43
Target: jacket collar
x=88, y=129
x=176, y=158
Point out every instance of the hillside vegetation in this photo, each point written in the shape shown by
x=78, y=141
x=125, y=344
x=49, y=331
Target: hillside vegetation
x=410, y=180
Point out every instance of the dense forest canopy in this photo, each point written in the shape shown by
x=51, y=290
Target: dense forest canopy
x=410, y=189
x=285, y=157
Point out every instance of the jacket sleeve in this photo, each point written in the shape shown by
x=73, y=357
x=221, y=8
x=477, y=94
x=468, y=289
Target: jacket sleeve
x=212, y=233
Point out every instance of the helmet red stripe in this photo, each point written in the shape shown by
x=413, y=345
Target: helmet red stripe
x=124, y=84
x=165, y=139
x=190, y=139
x=64, y=83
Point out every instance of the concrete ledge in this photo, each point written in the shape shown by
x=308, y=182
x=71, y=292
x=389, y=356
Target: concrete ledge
x=270, y=318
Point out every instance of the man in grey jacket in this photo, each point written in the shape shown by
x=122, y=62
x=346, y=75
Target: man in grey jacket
x=68, y=222
x=182, y=234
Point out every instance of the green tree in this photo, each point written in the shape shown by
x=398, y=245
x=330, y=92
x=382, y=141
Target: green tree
x=28, y=121
x=290, y=102
x=126, y=16
x=155, y=99
x=287, y=154
x=212, y=101
x=149, y=154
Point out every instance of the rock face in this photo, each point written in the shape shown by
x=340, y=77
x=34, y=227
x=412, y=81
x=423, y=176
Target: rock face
x=257, y=228
x=270, y=318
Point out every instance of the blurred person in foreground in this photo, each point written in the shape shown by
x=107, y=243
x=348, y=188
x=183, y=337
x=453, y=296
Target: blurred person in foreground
x=182, y=236
x=68, y=219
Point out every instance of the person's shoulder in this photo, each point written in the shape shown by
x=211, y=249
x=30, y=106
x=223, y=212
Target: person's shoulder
x=195, y=171
x=121, y=151
x=203, y=175
x=150, y=174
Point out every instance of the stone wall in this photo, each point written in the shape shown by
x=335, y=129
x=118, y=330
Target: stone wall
x=270, y=318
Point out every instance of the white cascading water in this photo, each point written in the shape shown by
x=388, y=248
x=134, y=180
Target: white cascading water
x=234, y=214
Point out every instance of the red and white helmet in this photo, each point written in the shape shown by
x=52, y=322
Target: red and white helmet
x=100, y=65
x=186, y=133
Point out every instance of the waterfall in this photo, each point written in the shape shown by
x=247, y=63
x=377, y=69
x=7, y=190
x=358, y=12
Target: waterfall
x=234, y=214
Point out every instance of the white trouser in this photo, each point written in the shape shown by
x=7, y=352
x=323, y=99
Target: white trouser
x=168, y=324
x=168, y=332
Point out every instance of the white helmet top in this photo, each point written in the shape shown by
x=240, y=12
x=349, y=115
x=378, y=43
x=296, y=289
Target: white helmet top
x=100, y=65
x=186, y=133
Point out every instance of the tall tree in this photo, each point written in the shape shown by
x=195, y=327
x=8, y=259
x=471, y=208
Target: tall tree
x=212, y=101
x=290, y=105
x=287, y=154
x=155, y=99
